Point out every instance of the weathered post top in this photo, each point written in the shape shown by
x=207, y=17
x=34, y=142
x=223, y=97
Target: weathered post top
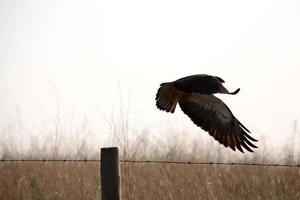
x=110, y=174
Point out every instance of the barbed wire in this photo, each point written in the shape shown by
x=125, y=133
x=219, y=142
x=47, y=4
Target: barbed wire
x=155, y=162
x=50, y=160
x=212, y=163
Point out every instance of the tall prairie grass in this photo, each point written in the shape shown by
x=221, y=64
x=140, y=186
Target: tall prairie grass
x=64, y=180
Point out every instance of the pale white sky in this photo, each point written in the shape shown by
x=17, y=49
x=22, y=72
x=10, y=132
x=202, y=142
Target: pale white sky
x=82, y=51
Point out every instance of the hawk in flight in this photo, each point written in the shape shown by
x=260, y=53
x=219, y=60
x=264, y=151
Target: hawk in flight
x=194, y=94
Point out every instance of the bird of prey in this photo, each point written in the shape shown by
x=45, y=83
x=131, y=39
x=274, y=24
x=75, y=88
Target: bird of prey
x=194, y=94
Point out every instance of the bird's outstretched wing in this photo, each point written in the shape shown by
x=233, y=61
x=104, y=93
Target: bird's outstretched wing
x=202, y=84
x=213, y=116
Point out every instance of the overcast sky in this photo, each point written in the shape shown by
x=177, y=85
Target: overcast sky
x=80, y=54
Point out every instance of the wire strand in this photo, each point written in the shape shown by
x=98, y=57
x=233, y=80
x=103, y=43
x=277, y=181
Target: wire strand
x=155, y=162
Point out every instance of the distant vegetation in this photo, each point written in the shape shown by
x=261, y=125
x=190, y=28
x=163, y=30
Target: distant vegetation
x=31, y=180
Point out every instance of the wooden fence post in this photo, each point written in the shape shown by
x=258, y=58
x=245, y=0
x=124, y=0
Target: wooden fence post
x=110, y=174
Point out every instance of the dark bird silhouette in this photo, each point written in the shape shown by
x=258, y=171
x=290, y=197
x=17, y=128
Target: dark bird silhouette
x=194, y=94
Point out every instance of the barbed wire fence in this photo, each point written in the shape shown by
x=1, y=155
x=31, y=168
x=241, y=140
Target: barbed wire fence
x=110, y=168
x=155, y=162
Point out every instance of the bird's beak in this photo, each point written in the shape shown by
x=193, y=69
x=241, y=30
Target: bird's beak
x=225, y=91
x=235, y=92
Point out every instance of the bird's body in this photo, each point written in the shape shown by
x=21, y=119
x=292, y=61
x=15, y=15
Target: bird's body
x=194, y=94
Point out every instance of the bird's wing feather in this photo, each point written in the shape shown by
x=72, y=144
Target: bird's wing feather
x=213, y=116
x=202, y=84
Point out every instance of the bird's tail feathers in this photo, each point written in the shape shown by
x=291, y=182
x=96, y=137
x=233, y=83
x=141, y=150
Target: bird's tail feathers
x=167, y=97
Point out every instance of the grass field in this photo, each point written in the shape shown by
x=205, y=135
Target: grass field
x=44, y=180
x=149, y=181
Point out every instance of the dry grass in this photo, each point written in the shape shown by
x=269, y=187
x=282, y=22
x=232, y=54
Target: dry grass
x=78, y=180
x=33, y=180
x=71, y=180
x=148, y=181
x=171, y=181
